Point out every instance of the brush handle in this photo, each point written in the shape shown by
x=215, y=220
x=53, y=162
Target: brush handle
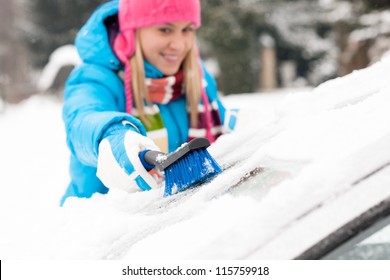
x=151, y=159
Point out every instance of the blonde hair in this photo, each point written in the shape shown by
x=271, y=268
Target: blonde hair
x=192, y=82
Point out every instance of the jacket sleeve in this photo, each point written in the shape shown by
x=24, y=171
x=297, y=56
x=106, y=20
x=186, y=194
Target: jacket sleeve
x=228, y=116
x=93, y=100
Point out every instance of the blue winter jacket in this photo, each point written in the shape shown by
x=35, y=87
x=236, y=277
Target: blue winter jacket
x=94, y=99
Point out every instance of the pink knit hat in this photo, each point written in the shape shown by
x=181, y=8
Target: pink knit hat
x=135, y=14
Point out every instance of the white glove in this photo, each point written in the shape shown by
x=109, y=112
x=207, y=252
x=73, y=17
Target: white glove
x=118, y=164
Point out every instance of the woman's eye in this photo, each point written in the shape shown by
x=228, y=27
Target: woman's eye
x=188, y=29
x=165, y=30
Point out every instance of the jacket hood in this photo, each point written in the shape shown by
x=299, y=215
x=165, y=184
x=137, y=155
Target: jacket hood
x=92, y=41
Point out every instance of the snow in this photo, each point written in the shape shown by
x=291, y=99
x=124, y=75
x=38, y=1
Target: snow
x=62, y=56
x=305, y=142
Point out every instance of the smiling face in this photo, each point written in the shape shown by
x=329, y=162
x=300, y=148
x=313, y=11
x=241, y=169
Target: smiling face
x=166, y=45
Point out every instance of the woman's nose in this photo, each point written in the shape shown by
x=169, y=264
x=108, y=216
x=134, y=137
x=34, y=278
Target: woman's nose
x=178, y=42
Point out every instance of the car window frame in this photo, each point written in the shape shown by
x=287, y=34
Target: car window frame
x=350, y=234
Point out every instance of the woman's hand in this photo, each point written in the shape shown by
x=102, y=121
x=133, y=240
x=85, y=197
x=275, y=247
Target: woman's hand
x=118, y=163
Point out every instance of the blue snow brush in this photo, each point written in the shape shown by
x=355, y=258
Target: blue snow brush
x=188, y=166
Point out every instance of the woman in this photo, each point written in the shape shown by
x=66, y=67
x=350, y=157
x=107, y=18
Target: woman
x=141, y=86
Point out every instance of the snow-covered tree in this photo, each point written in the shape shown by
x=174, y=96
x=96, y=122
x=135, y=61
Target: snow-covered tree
x=52, y=23
x=229, y=28
x=302, y=31
x=310, y=35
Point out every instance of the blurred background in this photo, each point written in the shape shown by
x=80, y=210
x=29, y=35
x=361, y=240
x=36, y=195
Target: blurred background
x=248, y=45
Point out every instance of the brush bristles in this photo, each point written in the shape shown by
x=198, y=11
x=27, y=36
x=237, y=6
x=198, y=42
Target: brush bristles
x=194, y=168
